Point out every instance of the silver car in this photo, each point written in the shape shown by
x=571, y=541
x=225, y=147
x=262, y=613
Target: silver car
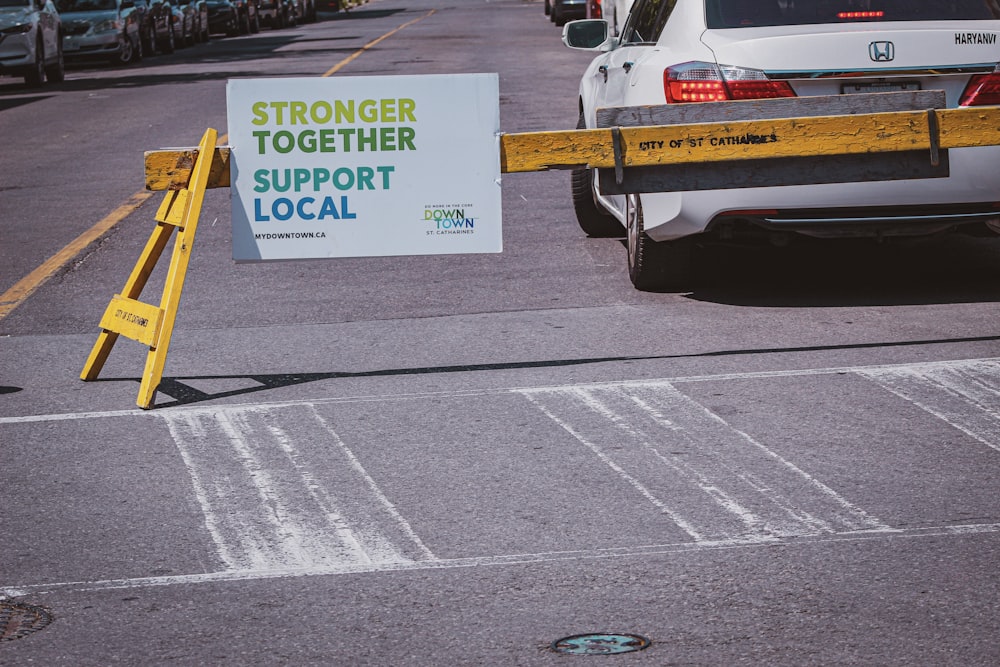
x=31, y=41
x=101, y=29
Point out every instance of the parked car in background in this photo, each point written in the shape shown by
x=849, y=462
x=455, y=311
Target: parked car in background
x=249, y=15
x=101, y=29
x=305, y=11
x=616, y=11
x=31, y=41
x=223, y=17
x=201, y=14
x=190, y=21
x=160, y=35
x=278, y=13
x=561, y=11
x=685, y=51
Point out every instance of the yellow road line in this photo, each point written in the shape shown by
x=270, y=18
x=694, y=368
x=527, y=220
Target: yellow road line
x=27, y=286
x=346, y=61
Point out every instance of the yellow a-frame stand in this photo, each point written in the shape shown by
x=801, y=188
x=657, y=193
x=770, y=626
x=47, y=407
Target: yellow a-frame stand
x=129, y=317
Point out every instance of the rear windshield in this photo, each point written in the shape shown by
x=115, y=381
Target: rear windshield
x=70, y=6
x=749, y=13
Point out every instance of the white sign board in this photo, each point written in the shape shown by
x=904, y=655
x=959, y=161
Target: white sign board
x=364, y=166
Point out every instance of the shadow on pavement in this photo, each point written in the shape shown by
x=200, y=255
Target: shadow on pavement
x=180, y=389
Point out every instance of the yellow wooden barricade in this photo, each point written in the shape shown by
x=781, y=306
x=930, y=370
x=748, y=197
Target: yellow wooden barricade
x=143, y=322
x=186, y=173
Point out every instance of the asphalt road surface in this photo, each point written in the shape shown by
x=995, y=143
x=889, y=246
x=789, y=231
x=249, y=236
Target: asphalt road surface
x=458, y=460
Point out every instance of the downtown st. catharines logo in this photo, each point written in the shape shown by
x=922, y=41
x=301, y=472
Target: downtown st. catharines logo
x=449, y=219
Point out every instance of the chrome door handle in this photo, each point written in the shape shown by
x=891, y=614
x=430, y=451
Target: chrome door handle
x=627, y=66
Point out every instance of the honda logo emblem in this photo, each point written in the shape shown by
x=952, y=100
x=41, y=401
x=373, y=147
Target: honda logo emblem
x=881, y=52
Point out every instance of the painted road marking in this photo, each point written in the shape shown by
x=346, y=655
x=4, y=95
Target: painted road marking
x=966, y=395
x=279, y=489
x=374, y=398
x=283, y=495
x=714, y=481
x=677, y=549
x=25, y=287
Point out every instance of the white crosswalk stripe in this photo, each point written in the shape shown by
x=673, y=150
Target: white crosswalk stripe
x=279, y=489
x=715, y=482
x=964, y=394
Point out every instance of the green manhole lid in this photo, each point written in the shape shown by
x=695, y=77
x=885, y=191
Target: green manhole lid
x=600, y=644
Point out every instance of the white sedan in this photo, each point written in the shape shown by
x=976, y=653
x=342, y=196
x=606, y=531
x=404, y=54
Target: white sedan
x=675, y=52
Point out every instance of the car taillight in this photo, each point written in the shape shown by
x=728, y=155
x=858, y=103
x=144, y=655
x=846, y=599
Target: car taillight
x=860, y=15
x=983, y=89
x=707, y=82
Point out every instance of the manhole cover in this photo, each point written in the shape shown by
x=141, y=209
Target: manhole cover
x=20, y=620
x=600, y=644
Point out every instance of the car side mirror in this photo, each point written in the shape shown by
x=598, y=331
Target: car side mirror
x=589, y=35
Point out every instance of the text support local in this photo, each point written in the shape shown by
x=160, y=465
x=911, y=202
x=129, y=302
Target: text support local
x=337, y=112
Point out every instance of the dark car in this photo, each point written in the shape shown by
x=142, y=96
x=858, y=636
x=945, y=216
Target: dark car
x=249, y=12
x=278, y=13
x=305, y=11
x=562, y=11
x=233, y=17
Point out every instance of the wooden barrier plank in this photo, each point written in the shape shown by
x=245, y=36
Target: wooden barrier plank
x=170, y=169
x=859, y=134
x=774, y=171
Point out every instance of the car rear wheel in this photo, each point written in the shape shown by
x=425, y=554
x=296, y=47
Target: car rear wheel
x=655, y=266
x=34, y=76
x=56, y=72
x=148, y=42
x=255, y=23
x=170, y=42
x=592, y=218
x=128, y=52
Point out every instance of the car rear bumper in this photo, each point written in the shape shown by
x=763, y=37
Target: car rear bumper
x=971, y=194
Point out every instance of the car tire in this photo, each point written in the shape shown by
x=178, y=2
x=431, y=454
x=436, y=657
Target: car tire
x=255, y=23
x=149, y=42
x=34, y=76
x=170, y=43
x=656, y=266
x=548, y=8
x=244, y=21
x=126, y=53
x=56, y=72
x=593, y=219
